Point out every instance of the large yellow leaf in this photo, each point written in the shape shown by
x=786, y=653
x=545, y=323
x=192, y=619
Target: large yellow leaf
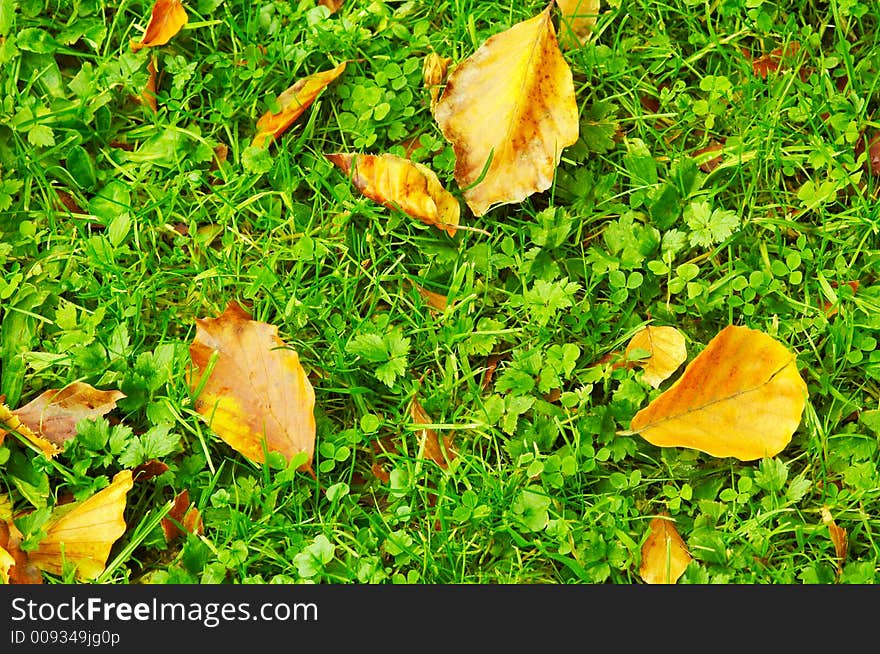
x=741, y=396
x=293, y=102
x=166, y=20
x=664, y=555
x=82, y=533
x=577, y=21
x=513, y=102
x=257, y=395
x=667, y=351
x=397, y=182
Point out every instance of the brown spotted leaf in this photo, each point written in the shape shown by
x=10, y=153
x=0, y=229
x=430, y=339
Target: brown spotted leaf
x=257, y=395
x=742, y=396
x=400, y=183
x=666, y=352
x=293, y=102
x=664, y=554
x=577, y=21
x=166, y=20
x=54, y=414
x=509, y=110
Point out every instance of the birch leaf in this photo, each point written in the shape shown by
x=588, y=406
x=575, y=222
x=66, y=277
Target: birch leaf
x=400, y=183
x=509, y=110
x=742, y=396
x=666, y=348
x=257, y=394
x=293, y=102
x=166, y=20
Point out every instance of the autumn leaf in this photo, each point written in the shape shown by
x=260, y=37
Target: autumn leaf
x=741, y=396
x=293, y=102
x=54, y=415
x=434, y=69
x=14, y=565
x=509, y=110
x=664, y=555
x=577, y=22
x=6, y=562
x=166, y=20
x=838, y=536
x=257, y=394
x=666, y=352
x=82, y=533
x=434, y=300
x=148, y=95
x=183, y=517
x=11, y=422
x=332, y=5
x=400, y=183
x=429, y=443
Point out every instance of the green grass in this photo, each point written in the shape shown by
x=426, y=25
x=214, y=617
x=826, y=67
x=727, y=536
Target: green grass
x=633, y=230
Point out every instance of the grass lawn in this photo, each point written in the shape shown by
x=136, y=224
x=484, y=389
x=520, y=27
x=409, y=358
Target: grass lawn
x=725, y=174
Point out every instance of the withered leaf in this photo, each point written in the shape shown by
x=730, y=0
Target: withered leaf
x=55, y=413
x=742, y=396
x=509, y=110
x=183, y=517
x=839, y=537
x=293, y=102
x=664, y=554
x=332, y=5
x=166, y=20
x=578, y=20
x=400, y=183
x=11, y=422
x=257, y=395
x=434, y=69
x=429, y=443
x=82, y=533
x=14, y=565
x=667, y=351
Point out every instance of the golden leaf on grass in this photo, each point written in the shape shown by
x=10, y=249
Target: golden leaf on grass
x=257, y=396
x=82, y=533
x=433, y=75
x=293, y=102
x=54, y=414
x=742, y=396
x=166, y=20
x=664, y=555
x=577, y=22
x=509, y=110
x=183, y=517
x=11, y=422
x=429, y=443
x=14, y=565
x=666, y=348
x=403, y=184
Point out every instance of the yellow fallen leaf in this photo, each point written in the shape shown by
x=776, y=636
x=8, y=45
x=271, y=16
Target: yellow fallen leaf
x=429, y=443
x=434, y=69
x=667, y=351
x=6, y=562
x=509, y=110
x=15, y=567
x=400, y=183
x=257, y=395
x=82, y=533
x=741, y=396
x=293, y=102
x=11, y=422
x=664, y=554
x=166, y=20
x=577, y=21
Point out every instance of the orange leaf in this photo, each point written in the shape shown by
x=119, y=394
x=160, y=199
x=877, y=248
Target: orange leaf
x=183, y=517
x=11, y=422
x=429, y=443
x=332, y=5
x=400, y=183
x=166, y=20
x=82, y=533
x=509, y=110
x=664, y=554
x=148, y=95
x=54, y=414
x=742, y=397
x=838, y=537
x=257, y=395
x=14, y=565
x=294, y=101
x=433, y=74
x=667, y=351
x=578, y=20
x=433, y=300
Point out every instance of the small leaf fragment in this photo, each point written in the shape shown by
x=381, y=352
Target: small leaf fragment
x=293, y=102
x=183, y=517
x=400, y=183
x=667, y=349
x=434, y=69
x=429, y=443
x=577, y=22
x=166, y=19
x=11, y=422
x=664, y=554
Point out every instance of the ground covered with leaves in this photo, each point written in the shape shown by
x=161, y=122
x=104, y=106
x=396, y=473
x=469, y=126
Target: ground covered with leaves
x=474, y=377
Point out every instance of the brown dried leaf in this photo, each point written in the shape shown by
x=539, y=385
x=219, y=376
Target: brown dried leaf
x=293, y=101
x=54, y=414
x=148, y=470
x=14, y=565
x=667, y=351
x=82, y=533
x=838, y=536
x=332, y=5
x=148, y=95
x=166, y=20
x=434, y=69
x=509, y=110
x=578, y=20
x=742, y=397
x=183, y=517
x=434, y=300
x=258, y=394
x=664, y=555
x=11, y=422
x=429, y=443
x=400, y=183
